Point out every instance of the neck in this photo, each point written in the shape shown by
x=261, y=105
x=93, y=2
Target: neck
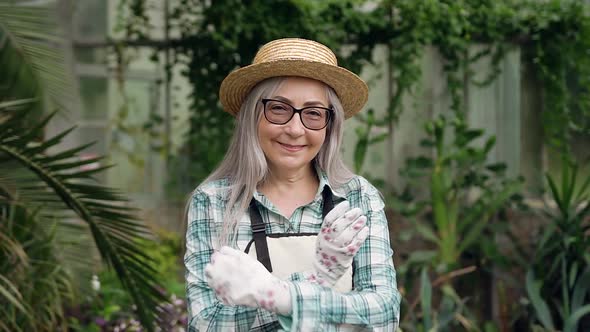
x=289, y=190
x=289, y=180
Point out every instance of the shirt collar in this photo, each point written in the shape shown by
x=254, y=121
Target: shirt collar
x=323, y=178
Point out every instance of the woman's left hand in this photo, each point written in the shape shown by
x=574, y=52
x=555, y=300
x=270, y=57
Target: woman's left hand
x=238, y=279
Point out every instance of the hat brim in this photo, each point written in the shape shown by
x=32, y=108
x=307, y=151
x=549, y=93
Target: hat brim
x=351, y=89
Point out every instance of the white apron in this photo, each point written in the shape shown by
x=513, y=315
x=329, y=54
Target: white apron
x=290, y=253
x=285, y=254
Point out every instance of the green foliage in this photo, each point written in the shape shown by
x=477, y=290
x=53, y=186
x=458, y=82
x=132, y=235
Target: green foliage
x=58, y=186
x=52, y=213
x=34, y=285
x=426, y=299
x=554, y=37
x=558, y=280
x=465, y=192
x=450, y=314
x=31, y=67
x=454, y=217
x=218, y=37
x=166, y=251
x=111, y=305
x=559, y=51
x=365, y=139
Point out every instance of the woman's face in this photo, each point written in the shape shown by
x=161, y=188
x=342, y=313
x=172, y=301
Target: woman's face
x=292, y=146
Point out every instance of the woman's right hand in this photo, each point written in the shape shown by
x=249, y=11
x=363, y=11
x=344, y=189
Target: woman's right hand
x=342, y=234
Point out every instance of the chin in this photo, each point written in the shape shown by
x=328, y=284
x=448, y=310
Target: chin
x=292, y=165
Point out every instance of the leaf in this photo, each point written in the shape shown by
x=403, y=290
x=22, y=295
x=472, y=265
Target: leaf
x=362, y=145
x=447, y=312
x=489, y=144
x=426, y=143
x=581, y=194
x=13, y=103
x=533, y=289
x=555, y=193
x=497, y=167
x=573, y=273
x=468, y=136
x=426, y=232
x=564, y=288
x=571, y=323
x=111, y=226
x=421, y=256
x=581, y=289
x=378, y=138
x=479, y=221
x=30, y=55
x=570, y=173
x=360, y=151
x=420, y=162
x=12, y=295
x=426, y=299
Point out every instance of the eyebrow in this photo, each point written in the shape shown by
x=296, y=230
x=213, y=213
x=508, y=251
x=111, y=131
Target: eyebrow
x=307, y=103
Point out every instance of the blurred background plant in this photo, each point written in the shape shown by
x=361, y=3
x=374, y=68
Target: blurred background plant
x=53, y=217
x=109, y=307
x=558, y=278
x=465, y=193
x=455, y=221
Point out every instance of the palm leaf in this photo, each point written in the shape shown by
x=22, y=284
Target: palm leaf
x=10, y=293
x=35, y=287
x=113, y=225
x=31, y=54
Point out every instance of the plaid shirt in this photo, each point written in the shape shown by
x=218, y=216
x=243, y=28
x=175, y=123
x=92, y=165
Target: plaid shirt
x=372, y=305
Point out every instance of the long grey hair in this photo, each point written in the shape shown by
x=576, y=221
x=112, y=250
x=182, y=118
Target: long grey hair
x=245, y=166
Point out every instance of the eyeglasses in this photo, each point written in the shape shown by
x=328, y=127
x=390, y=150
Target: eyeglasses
x=313, y=117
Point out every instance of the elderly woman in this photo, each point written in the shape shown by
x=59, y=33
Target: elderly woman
x=282, y=235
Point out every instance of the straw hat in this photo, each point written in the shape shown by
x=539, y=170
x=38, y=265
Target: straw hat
x=294, y=57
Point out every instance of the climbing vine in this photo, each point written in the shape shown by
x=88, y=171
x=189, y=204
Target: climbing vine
x=216, y=37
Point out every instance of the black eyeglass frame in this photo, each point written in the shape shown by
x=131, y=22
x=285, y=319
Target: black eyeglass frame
x=295, y=110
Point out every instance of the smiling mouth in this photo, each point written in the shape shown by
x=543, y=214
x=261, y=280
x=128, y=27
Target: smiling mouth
x=292, y=147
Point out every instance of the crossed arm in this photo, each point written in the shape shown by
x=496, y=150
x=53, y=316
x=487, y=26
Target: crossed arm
x=373, y=304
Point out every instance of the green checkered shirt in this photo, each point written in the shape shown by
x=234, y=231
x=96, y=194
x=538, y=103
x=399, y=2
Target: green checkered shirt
x=372, y=305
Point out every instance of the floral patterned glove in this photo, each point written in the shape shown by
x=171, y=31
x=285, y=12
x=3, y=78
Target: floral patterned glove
x=238, y=279
x=343, y=232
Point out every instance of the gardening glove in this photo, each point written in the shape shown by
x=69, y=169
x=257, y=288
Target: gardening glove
x=342, y=234
x=238, y=279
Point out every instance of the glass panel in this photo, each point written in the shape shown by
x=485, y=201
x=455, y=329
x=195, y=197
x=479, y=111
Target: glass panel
x=90, y=19
x=94, y=94
x=131, y=143
x=94, y=55
x=93, y=134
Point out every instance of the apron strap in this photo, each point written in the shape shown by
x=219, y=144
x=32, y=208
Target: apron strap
x=328, y=202
x=259, y=235
x=259, y=228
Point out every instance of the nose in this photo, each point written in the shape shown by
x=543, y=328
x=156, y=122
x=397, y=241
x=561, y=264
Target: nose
x=295, y=127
